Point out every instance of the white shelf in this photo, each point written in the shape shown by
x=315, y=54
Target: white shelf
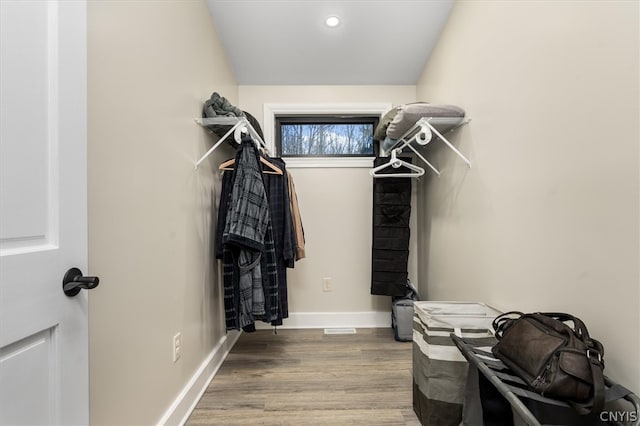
x=219, y=121
x=238, y=125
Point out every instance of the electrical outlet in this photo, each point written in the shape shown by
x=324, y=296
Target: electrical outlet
x=177, y=346
x=326, y=284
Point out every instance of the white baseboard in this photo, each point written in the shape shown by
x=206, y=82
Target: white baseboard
x=374, y=319
x=185, y=402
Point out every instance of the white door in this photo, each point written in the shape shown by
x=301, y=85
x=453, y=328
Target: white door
x=43, y=213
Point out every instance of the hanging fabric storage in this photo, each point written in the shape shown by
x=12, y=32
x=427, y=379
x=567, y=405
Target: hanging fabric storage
x=391, y=233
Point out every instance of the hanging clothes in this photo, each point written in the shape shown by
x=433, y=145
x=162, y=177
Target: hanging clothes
x=297, y=221
x=243, y=281
x=277, y=187
x=391, y=233
x=248, y=250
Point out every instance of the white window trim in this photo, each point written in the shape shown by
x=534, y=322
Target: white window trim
x=271, y=110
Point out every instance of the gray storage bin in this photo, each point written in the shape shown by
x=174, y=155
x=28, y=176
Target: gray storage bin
x=439, y=369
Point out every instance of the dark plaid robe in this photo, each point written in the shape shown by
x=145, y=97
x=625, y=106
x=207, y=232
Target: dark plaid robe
x=249, y=293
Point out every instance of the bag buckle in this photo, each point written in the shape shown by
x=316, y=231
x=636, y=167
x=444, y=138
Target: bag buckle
x=596, y=355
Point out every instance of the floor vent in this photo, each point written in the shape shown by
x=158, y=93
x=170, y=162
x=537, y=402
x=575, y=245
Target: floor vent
x=340, y=330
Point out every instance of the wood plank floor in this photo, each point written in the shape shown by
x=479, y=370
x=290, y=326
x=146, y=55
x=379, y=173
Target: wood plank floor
x=304, y=377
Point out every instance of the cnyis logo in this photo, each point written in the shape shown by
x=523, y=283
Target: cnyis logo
x=619, y=416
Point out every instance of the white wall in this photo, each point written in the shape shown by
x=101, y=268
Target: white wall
x=151, y=66
x=336, y=206
x=547, y=217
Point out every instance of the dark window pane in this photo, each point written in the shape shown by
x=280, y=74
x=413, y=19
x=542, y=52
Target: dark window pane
x=327, y=139
x=324, y=136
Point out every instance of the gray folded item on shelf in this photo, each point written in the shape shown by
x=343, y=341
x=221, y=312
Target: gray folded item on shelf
x=443, y=117
x=218, y=105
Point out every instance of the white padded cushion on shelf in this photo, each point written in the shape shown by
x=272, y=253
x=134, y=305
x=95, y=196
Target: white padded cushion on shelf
x=381, y=130
x=408, y=114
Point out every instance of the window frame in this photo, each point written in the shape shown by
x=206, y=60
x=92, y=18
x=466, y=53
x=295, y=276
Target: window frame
x=272, y=110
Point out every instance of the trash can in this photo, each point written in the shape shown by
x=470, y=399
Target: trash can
x=402, y=313
x=439, y=369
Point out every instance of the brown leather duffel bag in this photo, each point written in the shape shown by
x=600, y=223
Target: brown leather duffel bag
x=554, y=359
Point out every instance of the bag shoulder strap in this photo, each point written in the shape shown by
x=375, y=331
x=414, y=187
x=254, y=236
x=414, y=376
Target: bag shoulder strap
x=578, y=326
x=596, y=402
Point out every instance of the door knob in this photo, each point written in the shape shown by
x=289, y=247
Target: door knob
x=73, y=282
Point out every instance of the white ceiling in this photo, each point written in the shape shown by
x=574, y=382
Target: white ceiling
x=286, y=42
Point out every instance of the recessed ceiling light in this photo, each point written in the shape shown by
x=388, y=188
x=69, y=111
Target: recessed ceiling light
x=332, y=21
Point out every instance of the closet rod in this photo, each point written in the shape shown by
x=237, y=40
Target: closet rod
x=241, y=122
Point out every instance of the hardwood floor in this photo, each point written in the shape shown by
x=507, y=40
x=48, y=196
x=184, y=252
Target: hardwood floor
x=303, y=377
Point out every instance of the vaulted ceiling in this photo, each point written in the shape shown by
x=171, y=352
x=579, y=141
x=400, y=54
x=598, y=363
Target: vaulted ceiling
x=287, y=42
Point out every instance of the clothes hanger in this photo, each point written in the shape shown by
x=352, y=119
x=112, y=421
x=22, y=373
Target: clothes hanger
x=273, y=169
x=237, y=135
x=395, y=162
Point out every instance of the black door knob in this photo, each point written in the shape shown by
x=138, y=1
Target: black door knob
x=73, y=282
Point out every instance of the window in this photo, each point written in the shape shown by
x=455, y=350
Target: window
x=325, y=135
x=306, y=110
